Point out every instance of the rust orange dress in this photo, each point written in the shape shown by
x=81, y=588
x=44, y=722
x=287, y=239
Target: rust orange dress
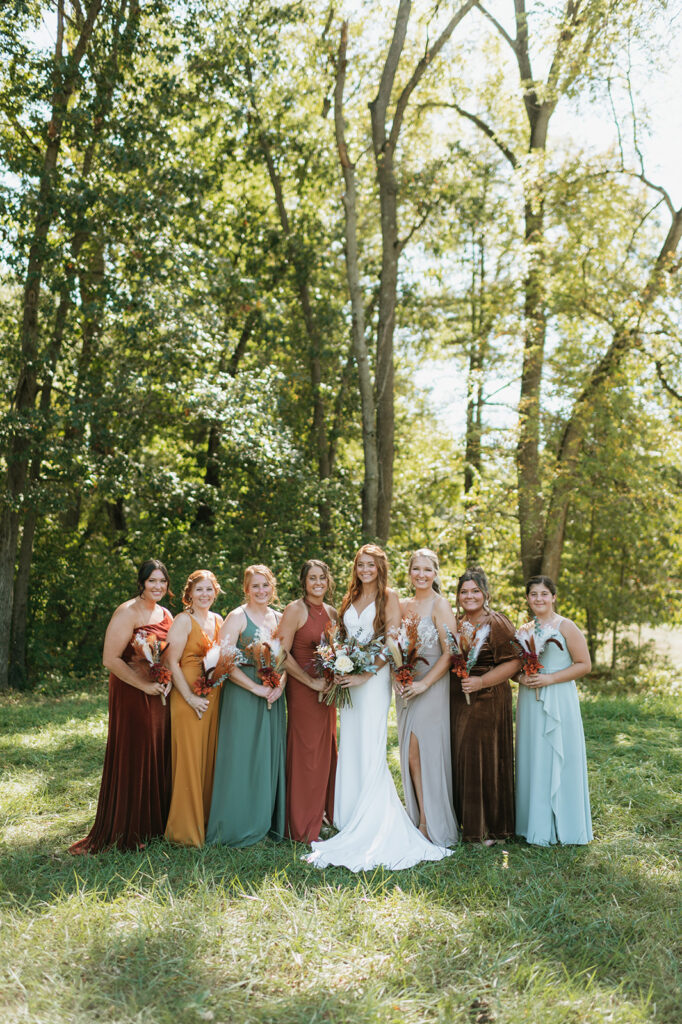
x=193, y=746
x=482, y=744
x=134, y=795
x=311, y=740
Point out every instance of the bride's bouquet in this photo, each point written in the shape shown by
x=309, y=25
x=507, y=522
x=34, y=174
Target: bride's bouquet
x=347, y=658
x=149, y=650
x=219, y=661
x=465, y=649
x=403, y=648
x=269, y=657
x=530, y=643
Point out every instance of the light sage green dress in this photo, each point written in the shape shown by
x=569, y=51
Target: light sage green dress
x=552, y=795
x=248, y=801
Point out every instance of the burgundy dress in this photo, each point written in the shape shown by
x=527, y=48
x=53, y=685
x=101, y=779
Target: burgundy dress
x=311, y=740
x=481, y=736
x=135, y=792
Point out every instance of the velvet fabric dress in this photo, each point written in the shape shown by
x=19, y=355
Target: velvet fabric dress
x=135, y=791
x=248, y=800
x=552, y=795
x=481, y=737
x=194, y=746
x=311, y=739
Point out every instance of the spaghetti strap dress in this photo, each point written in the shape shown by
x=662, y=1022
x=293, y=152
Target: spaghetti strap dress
x=249, y=790
x=427, y=717
x=135, y=791
x=552, y=795
x=194, y=744
x=311, y=739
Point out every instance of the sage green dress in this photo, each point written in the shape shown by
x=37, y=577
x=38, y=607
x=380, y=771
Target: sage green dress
x=248, y=801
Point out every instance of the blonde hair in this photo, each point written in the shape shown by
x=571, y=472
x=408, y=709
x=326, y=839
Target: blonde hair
x=262, y=570
x=355, y=585
x=433, y=558
x=193, y=579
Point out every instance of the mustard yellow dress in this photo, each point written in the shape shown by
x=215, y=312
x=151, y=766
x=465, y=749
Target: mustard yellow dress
x=193, y=747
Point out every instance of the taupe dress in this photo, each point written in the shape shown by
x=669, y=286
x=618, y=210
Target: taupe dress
x=428, y=717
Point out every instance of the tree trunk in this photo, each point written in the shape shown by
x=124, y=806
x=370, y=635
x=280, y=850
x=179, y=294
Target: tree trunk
x=65, y=76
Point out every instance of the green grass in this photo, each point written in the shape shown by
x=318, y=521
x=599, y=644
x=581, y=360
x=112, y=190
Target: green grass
x=508, y=935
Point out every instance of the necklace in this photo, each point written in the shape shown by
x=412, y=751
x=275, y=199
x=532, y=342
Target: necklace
x=318, y=611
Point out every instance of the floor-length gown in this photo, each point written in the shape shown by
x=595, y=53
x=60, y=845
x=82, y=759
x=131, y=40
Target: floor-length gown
x=428, y=718
x=194, y=744
x=481, y=737
x=135, y=791
x=552, y=796
x=249, y=789
x=311, y=739
x=375, y=830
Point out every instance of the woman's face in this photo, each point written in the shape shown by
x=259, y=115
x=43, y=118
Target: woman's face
x=422, y=573
x=540, y=599
x=366, y=569
x=155, y=586
x=202, y=594
x=259, y=590
x=316, y=583
x=471, y=597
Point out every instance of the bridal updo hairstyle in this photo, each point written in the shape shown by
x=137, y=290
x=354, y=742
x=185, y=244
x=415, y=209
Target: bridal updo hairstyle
x=355, y=585
x=192, y=580
x=316, y=563
x=260, y=570
x=433, y=558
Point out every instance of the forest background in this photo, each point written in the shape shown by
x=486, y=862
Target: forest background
x=238, y=240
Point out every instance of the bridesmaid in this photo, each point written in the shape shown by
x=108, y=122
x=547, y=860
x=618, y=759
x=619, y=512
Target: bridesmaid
x=552, y=797
x=194, y=718
x=481, y=732
x=423, y=708
x=311, y=725
x=135, y=790
x=249, y=791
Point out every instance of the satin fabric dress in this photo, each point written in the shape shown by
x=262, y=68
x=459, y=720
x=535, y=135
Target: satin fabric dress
x=428, y=718
x=481, y=737
x=552, y=795
x=249, y=794
x=375, y=830
x=194, y=745
x=135, y=790
x=311, y=739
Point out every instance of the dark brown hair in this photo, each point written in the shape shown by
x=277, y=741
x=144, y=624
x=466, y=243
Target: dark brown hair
x=145, y=571
x=316, y=563
x=474, y=574
x=541, y=581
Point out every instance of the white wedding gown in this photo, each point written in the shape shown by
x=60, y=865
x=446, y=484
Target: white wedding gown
x=375, y=830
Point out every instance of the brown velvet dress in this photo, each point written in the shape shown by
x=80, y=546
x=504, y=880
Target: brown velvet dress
x=135, y=792
x=311, y=740
x=481, y=736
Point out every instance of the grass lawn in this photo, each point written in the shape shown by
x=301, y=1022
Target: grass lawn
x=507, y=935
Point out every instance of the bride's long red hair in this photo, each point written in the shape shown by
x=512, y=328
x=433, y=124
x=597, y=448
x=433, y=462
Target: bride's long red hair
x=378, y=555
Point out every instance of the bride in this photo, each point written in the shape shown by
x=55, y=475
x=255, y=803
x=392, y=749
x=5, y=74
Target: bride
x=375, y=830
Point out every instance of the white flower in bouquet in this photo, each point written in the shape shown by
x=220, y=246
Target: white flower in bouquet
x=343, y=665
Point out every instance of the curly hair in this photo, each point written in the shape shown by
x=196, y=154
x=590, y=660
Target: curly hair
x=474, y=574
x=355, y=585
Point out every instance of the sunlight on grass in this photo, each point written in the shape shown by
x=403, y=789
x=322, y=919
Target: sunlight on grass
x=513, y=934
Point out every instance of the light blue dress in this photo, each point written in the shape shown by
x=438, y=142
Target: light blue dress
x=552, y=796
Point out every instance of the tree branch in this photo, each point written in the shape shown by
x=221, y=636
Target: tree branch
x=490, y=132
x=666, y=384
x=500, y=28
